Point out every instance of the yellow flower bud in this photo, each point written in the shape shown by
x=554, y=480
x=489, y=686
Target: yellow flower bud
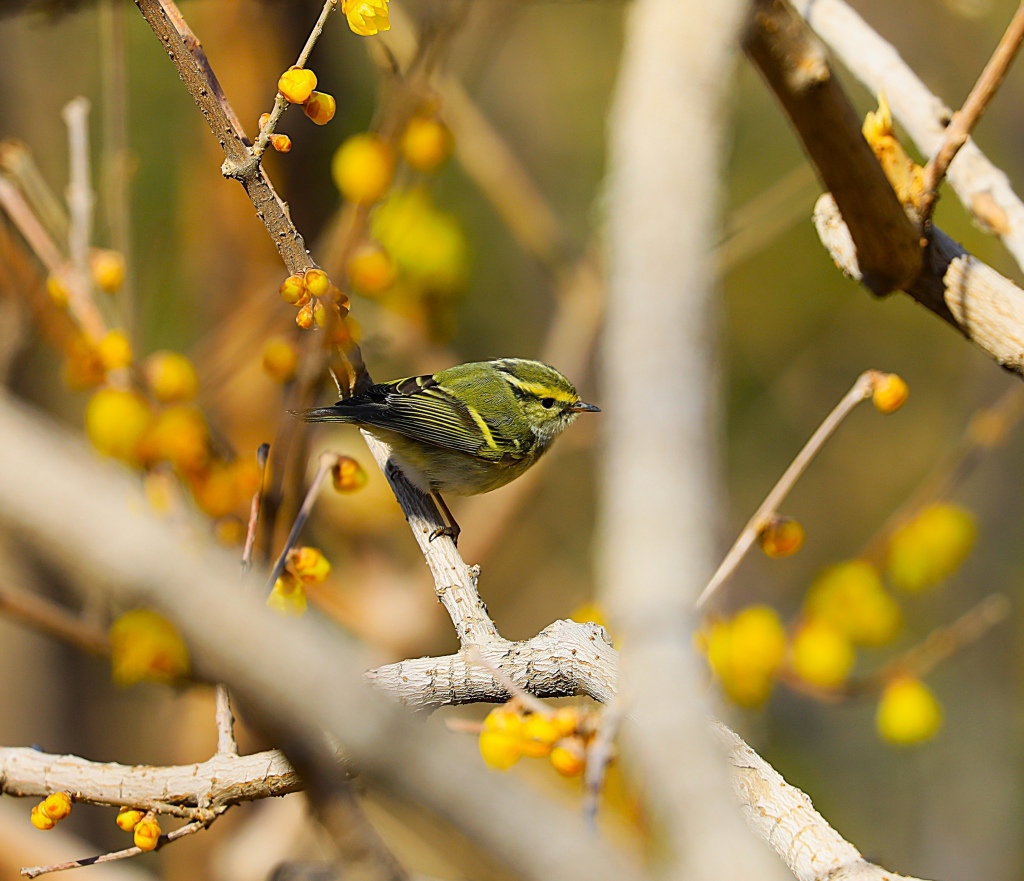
x=280, y=359
x=569, y=757
x=178, y=435
x=908, y=712
x=57, y=290
x=504, y=719
x=500, y=749
x=82, y=368
x=746, y=652
x=316, y=282
x=296, y=84
x=264, y=120
x=366, y=17
x=304, y=317
x=567, y=720
x=426, y=143
x=40, y=820
x=129, y=818
x=348, y=475
x=850, y=596
x=782, y=537
x=931, y=547
x=147, y=834
x=320, y=108
x=146, y=646
x=288, y=596
x=363, y=168
x=821, y=654
x=539, y=734
x=115, y=350
x=116, y=421
x=309, y=565
x=170, y=377
x=281, y=143
x=108, y=269
x=56, y=806
x=215, y=490
x=889, y=393
x=370, y=270
x=293, y=289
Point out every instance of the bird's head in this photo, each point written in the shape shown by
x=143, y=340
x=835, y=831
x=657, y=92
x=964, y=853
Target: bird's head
x=549, y=401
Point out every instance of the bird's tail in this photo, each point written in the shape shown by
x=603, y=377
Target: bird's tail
x=321, y=414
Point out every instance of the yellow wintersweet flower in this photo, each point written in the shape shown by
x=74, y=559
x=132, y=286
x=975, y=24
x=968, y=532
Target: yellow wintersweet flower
x=746, y=652
x=908, y=712
x=146, y=646
x=930, y=547
x=366, y=17
x=821, y=654
x=147, y=834
x=116, y=421
x=850, y=596
x=288, y=596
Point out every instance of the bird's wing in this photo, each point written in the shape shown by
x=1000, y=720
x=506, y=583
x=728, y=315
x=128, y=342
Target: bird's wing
x=419, y=408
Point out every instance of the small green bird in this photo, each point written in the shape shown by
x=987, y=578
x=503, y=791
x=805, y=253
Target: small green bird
x=468, y=429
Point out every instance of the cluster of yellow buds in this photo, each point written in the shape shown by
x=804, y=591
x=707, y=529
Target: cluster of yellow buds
x=146, y=647
x=309, y=293
x=143, y=825
x=303, y=566
x=298, y=86
x=52, y=809
x=510, y=732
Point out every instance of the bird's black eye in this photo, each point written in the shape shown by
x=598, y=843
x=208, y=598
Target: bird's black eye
x=547, y=403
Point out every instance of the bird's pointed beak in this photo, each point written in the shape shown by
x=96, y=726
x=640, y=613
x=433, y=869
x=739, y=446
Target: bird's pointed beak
x=581, y=407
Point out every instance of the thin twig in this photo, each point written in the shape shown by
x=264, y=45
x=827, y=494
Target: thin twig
x=53, y=620
x=859, y=391
x=327, y=462
x=600, y=753
x=254, y=509
x=80, y=195
x=226, y=743
x=966, y=118
x=188, y=829
x=280, y=102
x=16, y=162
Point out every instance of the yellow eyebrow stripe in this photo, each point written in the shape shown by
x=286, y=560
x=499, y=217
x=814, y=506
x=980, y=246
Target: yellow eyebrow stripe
x=540, y=391
x=485, y=429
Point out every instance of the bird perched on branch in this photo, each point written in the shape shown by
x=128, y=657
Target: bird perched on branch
x=468, y=429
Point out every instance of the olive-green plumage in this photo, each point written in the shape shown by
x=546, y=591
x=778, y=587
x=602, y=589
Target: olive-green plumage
x=468, y=429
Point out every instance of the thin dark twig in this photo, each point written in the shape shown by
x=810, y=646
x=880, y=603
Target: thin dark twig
x=36, y=871
x=966, y=118
x=280, y=102
x=254, y=510
x=327, y=462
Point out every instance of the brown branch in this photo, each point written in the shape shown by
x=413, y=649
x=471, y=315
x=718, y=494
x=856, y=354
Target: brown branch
x=52, y=620
x=967, y=117
x=795, y=67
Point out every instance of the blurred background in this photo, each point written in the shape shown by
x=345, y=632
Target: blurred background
x=203, y=278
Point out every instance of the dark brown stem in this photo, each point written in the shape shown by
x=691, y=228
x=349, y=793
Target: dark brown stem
x=796, y=69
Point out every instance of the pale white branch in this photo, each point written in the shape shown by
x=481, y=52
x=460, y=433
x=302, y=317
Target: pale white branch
x=194, y=789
